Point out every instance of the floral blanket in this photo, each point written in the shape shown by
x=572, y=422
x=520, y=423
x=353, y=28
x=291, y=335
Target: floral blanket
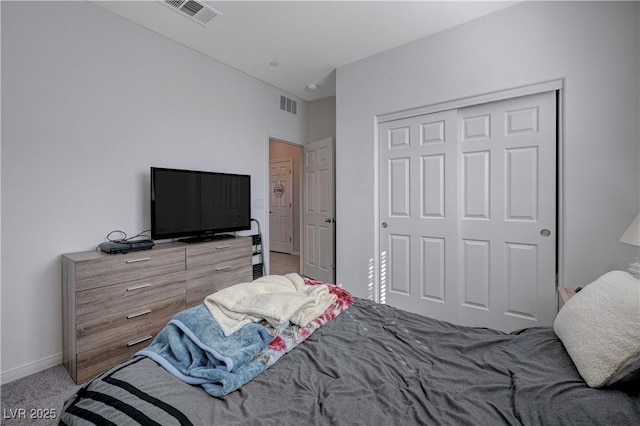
x=193, y=348
x=293, y=335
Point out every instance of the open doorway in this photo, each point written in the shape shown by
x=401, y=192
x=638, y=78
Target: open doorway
x=284, y=207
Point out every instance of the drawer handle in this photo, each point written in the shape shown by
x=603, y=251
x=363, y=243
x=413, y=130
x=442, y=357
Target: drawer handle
x=138, y=314
x=144, y=259
x=138, y=287
x=140, y=340
x=223, y=268
x=223, y=247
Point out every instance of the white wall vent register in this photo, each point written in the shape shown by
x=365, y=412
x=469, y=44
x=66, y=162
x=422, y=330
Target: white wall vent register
x=288, y=105
x=195, y=10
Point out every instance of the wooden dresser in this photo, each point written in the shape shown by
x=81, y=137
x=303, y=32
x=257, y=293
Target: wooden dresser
x=115, y=304
x=216, y=265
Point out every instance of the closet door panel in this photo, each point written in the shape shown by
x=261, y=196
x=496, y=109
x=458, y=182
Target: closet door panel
x=509, y=201
x=418, y=214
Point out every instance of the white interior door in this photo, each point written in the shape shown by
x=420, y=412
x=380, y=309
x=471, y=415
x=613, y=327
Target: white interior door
x=508, y=212
x=467, y=211
x=318, y=210
x=418, y=214
x=281, y=206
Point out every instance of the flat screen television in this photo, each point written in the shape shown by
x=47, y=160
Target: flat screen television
x=197, y=204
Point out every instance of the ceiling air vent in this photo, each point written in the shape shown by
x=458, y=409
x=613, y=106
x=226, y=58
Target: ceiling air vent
x=195, y=10
x=288, y=105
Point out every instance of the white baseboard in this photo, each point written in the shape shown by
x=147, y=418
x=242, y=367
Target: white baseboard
x=30, y=368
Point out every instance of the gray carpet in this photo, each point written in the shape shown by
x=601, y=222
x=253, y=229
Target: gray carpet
x=39, y=394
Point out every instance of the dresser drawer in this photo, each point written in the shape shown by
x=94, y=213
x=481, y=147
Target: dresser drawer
x=217, y=251
x=118, y=268
x=205, y=280
x=104, y=346
x=91, y=363
x=123, y=299
x=103, y=332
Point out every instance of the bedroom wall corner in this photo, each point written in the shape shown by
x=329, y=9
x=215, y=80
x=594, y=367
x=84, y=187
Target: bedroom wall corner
x=322, y=119
x=592, y=46
x=89, y=102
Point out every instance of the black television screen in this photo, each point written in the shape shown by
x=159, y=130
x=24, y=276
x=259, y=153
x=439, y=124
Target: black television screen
x=188, y=203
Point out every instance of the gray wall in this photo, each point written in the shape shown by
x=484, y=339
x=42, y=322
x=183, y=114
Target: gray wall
x=593, y=46
x=89, y=102
x=321, y=119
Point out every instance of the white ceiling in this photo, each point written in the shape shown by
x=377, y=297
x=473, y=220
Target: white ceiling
x=307, y=39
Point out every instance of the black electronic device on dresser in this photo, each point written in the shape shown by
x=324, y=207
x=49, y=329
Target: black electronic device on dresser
x=198, y=205
x=123, y=247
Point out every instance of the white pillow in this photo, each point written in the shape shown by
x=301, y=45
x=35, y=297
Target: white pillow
x=600, y=329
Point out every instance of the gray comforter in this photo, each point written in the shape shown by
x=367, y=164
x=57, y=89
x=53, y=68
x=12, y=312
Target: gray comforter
x=375, y=365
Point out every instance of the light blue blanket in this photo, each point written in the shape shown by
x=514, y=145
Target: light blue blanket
x=194, y=348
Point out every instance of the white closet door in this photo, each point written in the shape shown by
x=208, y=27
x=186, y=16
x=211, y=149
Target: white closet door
x=418, y=214
x=467, y=212
x=508, y=212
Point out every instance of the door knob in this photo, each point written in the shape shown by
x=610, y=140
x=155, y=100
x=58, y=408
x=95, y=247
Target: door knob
x=384, y=225
x=545, y=232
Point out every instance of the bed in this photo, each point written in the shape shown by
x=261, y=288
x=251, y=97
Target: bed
x=374, y=364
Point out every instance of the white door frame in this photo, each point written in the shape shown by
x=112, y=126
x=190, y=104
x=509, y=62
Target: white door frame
x=266, y=235
x=553, y=85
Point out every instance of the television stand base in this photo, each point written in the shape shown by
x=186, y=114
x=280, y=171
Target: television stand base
x=205, y=238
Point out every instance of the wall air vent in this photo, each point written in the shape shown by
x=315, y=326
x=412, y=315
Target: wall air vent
x=288, y=105
x=195, y=10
